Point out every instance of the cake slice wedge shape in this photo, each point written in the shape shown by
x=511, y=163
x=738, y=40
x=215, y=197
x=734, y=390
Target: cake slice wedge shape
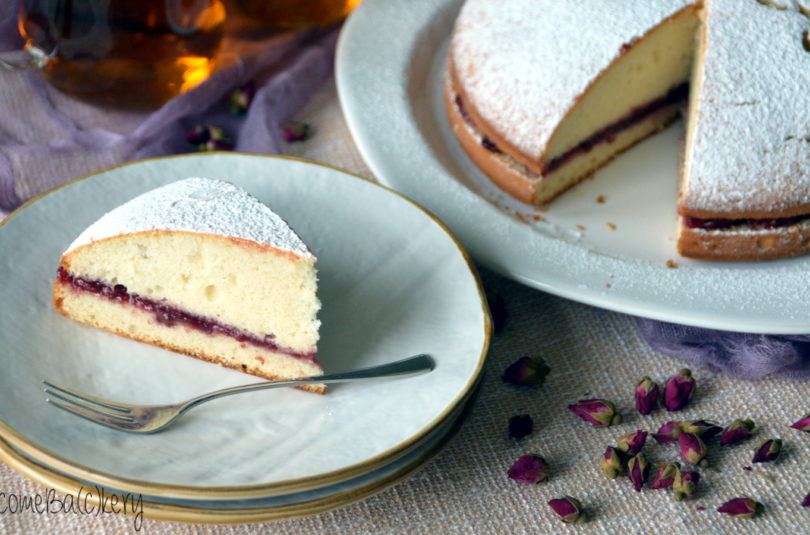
x=200, y=267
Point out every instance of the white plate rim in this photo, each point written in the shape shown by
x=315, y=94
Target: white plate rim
x=50, y=458
x=383, y=81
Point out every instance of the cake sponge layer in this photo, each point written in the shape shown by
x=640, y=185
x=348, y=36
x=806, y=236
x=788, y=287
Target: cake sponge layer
x=131, y=322
x=243, y=284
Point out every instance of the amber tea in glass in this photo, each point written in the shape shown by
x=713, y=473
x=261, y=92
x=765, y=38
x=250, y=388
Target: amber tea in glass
x=132, y=54
x=279, y=15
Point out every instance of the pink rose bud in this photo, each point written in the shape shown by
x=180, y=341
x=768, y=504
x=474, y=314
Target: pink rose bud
x=295, y=131
x=806, y=501
x=520, y=426
x=612, y=462
x=526, y=371
x=637, y=471
x=668, y=432
x=685, y=485
x=741, y=507
x=529, y=469
x=678, y=390
x=209, y=137
x=647, y=393
x=239, y=100
x=632, y=443
x=693, y=450
x=666, y=475
x=598, y=412
x=737, y=431
x=569, y=509
x=803, y=424
x=705, y=430
x=767, y=451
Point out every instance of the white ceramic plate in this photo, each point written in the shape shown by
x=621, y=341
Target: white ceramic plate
x=393, y=283
x=390, y=61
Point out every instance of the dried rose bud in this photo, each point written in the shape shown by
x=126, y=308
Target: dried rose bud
x=497, y=309
x=599, y=412
x=737, y=431
x=526, y=371
x=529, y=469
x=295, y=131
x=632, y=443
x=520, y=426
x=668, y=432
x=806, y=501
x=666, y=475
x=678, y=390
x=705, y=430
x=693, y=449
x=647, y=393
x=741, y=507
x=569, y=509
x=767, y=451
x=612, y=462
x=803, y=424
x=685, y=485
x=208, y=138
x=239, y=99
x=637, y=470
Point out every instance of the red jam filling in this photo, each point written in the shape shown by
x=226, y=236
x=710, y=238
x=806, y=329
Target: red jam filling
x=753, y=224
x=607, y=134
x=170, y=316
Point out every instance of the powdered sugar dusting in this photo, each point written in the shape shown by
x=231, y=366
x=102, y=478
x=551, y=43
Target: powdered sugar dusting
x=751, y=150
x=198, y=205
x=521, y=86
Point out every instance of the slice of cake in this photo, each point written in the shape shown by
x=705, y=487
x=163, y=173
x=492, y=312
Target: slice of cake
x=202, y=268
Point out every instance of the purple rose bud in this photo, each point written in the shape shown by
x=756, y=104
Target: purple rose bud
x=569, y=509
x=705, y=430
x=612, y=462
x=632, y=443
x=767, y=451
x=737, y=431
x=239, y=100
x=215, y=144
x=208, y=138
x=693, y=450
x=520, y=426
x=198, y=134
x=295, y=131
x=685, y=485
x=666, y=475
x=803, y=424
x=741, y=507
x=647, y=392
x=637, y=470
x=678, y=390
x=529, y=469
x=806, y=501
x=526, y=371
x=668, y=432
x=598, y=412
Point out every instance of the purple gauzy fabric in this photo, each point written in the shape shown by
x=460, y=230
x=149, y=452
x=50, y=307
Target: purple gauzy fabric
x=49, y=138
x=738, y=355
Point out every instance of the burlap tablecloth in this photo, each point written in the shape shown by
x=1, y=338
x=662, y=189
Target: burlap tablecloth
x=592, y=353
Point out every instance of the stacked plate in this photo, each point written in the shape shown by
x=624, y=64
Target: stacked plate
x=393, y=283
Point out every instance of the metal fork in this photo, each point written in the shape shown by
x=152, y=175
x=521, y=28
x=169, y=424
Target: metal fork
x=154, y=418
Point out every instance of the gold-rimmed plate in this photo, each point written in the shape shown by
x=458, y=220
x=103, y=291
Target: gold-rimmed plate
x=393, y=283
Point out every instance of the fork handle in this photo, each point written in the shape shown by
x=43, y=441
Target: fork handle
x=410, y=366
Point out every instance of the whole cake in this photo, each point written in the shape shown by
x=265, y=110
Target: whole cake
x=200, y=267
x=541, y=93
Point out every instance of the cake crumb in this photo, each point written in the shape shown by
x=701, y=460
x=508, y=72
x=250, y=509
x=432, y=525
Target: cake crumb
x=581, y=227
x=540, y=208
x=521, y=217
x=611, y=226
x=671, y=264
x=538, y=217
x=600, y=199
x=608, y=285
